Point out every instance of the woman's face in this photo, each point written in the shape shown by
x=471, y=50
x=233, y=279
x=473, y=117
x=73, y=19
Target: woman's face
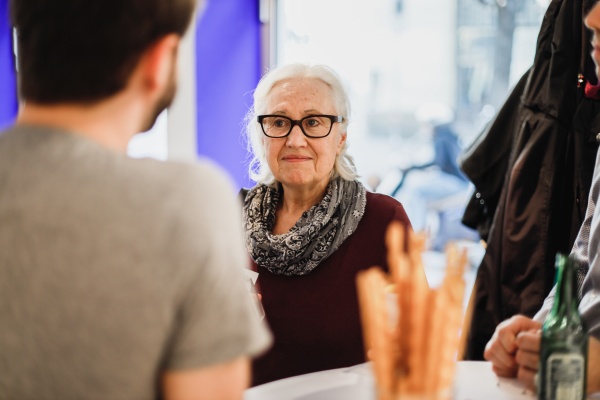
x=297, y=161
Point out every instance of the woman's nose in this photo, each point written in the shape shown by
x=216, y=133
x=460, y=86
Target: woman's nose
x=296, y=137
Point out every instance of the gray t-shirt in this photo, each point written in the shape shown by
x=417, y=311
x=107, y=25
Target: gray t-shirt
x=114, y=269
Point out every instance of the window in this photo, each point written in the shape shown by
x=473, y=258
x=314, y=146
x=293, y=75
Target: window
x=405, y=60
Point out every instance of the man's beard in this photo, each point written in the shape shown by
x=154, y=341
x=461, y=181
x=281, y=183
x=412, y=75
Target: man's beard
x=164, y=101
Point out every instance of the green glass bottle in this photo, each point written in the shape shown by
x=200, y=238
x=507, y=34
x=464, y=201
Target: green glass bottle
x=563, y=353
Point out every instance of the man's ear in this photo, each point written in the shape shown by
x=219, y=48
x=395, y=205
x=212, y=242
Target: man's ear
x=158, y=60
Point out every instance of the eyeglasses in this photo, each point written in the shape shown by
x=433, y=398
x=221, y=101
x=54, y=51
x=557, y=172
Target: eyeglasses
x=313, y=126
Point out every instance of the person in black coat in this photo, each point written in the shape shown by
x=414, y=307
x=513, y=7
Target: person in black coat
x=534, y=197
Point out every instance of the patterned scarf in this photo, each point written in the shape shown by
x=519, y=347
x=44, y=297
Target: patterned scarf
x=315, y=236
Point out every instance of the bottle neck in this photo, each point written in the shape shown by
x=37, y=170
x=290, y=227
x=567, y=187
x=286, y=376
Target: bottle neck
x=564, y=299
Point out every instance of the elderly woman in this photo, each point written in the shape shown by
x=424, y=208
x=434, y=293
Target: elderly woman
x=310, y=225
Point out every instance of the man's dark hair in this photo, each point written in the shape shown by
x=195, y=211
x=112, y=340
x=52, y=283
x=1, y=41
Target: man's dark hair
x=85, y=50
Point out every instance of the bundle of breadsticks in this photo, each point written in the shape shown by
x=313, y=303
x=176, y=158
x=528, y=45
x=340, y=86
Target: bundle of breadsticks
x=411, y=331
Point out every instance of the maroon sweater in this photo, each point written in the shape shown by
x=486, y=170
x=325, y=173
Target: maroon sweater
x=315, y=318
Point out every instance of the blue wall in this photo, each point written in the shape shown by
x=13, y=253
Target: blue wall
x=227, y=71
x=8, y=91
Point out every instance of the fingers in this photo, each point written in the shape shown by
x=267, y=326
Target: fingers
x=522, y=323
x=528, y=359
x=503, y=362
x=504, y=372
x=593, y=373
x=502, y=349
x=509, y=329
x=527, y=376
x=528, y=356
x=529, y=340
x=528, y=353
x=506, y=338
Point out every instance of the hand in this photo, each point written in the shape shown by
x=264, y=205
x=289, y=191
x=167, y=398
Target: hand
x=502, y=348
x=593, y=378
x=528, y=356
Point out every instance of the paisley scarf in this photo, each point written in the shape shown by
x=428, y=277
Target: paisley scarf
x=316, y=235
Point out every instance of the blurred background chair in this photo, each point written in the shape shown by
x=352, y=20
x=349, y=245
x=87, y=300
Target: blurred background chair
x=436, y=192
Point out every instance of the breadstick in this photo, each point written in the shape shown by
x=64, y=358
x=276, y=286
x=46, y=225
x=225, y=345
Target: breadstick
x=419, y=290
x=377, y=333
x=452, y=294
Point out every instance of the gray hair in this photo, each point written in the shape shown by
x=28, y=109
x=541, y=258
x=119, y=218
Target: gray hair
x=258, y=169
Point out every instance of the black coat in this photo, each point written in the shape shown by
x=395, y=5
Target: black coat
x=533, y=198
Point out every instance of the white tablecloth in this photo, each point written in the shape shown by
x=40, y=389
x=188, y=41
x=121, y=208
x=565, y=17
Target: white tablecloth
x=474, y=381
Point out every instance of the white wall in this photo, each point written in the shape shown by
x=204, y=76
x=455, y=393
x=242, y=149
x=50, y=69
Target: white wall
x=182, y=114
x=173, y=136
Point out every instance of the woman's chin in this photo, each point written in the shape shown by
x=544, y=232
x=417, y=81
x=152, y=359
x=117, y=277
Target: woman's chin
x=295, y=178
x=302, y=179
x=295, y=183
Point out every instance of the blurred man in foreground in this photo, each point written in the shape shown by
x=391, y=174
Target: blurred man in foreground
x=514, y=348
x=119, y=278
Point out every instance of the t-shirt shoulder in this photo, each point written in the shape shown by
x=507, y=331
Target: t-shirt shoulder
x=202, y=172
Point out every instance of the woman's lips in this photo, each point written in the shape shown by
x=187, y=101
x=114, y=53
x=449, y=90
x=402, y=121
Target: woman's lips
x=295, y=158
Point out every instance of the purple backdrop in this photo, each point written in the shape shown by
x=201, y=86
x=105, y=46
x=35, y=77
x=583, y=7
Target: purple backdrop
x=227, y=71
x=8, y=91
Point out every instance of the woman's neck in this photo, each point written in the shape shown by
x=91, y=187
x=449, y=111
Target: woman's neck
x=293, y=203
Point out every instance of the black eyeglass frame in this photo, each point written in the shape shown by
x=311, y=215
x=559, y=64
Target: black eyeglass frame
x=332, y=118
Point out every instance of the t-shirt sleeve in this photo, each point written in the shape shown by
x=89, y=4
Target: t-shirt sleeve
x=215, y=321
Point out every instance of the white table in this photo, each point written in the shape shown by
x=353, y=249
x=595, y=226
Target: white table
x=474, y=381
